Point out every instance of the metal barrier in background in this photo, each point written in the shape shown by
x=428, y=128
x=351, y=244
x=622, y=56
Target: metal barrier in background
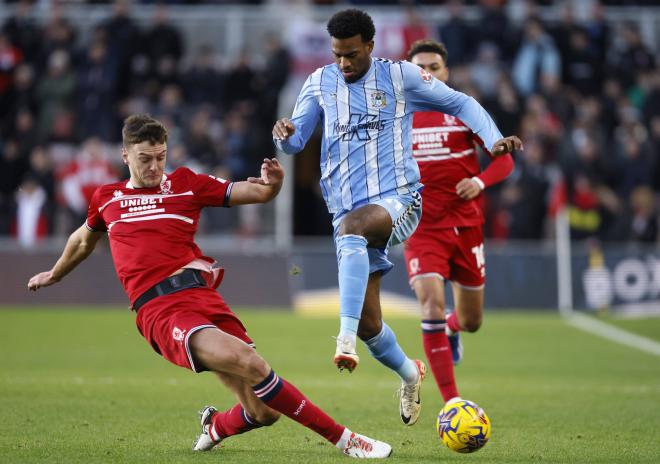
x=522, y=275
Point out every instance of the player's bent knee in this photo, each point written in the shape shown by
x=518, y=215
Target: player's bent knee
x=471, y=324
x=256, y=368
x=432, y=308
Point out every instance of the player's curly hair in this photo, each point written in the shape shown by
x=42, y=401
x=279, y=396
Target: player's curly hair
x=428, y=46
x=140, y=128
x=351, y=22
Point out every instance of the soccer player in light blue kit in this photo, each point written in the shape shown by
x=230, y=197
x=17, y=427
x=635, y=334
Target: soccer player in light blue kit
x=369, y=178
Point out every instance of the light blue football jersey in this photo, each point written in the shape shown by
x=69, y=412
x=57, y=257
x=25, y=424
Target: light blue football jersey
x=366, y=151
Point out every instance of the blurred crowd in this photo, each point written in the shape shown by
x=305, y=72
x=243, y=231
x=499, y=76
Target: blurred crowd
x=584, y=96
x=63, y=100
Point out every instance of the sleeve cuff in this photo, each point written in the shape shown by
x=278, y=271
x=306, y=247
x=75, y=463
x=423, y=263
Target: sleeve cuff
x=225, y=203
x=479, y=182
x=91, y=229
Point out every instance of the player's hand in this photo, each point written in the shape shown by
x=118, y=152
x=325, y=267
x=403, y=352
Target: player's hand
x=43, y=279
x=272, y=173
x=506, y=145
x=468, y=189
x=283, y=129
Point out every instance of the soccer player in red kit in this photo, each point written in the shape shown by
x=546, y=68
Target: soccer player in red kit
x=448, y=243
x=151, y=220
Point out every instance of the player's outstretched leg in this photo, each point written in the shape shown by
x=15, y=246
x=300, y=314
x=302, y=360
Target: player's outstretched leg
x=248, y=414
x=385, y=349
x=280, y=395
x=353, y=264
x=430, y=294
x=467, y=316
x=223, y=353
x=216, y=426
x=383, y=346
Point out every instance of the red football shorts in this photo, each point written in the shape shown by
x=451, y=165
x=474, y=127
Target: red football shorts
x=455, y=254
x=168, y=321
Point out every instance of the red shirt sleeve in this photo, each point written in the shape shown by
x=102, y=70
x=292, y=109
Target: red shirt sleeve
x=95, y=220
x=210, y=190
x=499, y=169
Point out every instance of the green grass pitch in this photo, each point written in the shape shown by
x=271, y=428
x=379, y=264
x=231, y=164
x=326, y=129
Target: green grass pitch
x=82, y=386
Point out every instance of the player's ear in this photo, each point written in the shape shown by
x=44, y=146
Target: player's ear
x=370, y=46
x=124, y=155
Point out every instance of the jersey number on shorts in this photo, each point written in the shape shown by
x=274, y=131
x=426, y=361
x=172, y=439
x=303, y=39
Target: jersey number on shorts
x=414, y=265
x=478, y=252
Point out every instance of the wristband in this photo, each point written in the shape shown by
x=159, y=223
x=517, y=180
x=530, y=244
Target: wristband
x=479, y=182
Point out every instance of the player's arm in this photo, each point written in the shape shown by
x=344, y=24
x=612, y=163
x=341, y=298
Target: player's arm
x=258, y=189
x=79, y=246
x=424, y=92
x=291, y=135
x=499, y=168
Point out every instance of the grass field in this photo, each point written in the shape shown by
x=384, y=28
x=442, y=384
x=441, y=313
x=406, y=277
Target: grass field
x=80, y=386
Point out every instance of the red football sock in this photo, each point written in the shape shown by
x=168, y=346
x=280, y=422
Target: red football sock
x=452, y=322
x=232, y=422
x=438, y=353
x=285, y=398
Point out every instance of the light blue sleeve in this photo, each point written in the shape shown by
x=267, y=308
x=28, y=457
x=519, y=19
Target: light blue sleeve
x=425, y=93
x=306, y=115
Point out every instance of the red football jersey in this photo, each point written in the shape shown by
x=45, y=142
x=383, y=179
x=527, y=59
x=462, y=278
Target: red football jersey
x=151, y=230
x=444, y=148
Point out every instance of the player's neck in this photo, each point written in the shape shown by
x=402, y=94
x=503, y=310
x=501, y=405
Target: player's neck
x=137, y=184
x=361, y=78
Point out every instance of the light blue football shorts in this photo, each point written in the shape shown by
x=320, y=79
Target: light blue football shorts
x=405, y=211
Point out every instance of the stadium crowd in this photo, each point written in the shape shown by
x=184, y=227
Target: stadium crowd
x=583, y=95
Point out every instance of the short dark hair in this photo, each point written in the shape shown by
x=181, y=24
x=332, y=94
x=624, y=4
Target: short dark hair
x=428, y=46
x=351, y=22
x=140, y=128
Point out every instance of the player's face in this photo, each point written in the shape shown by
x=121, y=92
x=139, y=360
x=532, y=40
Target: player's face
x=146, y=162
x=353, y=56
x=432, y=63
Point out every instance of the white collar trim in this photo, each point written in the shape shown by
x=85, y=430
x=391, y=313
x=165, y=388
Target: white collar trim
x=129, y=185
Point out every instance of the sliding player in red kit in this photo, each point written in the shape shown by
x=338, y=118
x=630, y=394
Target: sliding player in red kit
x=151, y=221
x=448, y=243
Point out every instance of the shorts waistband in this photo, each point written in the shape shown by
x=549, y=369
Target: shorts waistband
x=189, y=278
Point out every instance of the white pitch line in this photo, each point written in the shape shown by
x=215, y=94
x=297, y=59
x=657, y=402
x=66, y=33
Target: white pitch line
x=591, y=325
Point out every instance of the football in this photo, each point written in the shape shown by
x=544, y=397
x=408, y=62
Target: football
x=463, y=426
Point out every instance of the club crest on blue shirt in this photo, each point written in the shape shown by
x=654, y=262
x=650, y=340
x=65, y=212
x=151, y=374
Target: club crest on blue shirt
x=378, y=99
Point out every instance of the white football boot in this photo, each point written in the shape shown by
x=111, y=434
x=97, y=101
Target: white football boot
x=410, y=403
x=346, y=356
x=205, y=441
x=362, y=447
